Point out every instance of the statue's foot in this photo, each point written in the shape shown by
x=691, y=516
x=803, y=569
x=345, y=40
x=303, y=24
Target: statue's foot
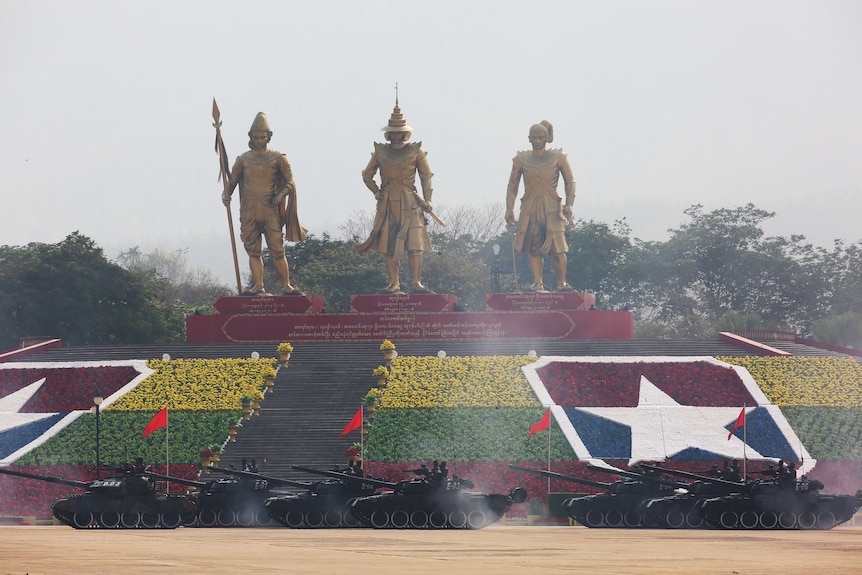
x=565, y=287
x=291, y=290
x=255, y=290
x=419, y=287
x=538, y=288
x=391, y=288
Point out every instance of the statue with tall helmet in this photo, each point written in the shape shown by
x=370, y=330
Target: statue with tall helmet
x=267, y=209
x=399, y=226
x=541, y=225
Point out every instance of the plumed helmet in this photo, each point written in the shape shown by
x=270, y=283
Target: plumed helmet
x=260, y=123
x=547, y=127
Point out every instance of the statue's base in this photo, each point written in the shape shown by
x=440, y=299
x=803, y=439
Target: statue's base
x=405, y=317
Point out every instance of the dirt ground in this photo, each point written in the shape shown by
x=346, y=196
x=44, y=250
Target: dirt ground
x=56, y=550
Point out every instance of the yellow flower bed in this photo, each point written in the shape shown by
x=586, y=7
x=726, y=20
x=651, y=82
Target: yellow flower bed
x=805, y=381
x=495, y=381
x=196, y=384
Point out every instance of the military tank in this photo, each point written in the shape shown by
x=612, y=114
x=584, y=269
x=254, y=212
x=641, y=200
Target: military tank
x=433, y=501
x=778, y=503
x=321, y=504
x=620, y=503
x=681, y=510
x=125, y=501
x=233, y=501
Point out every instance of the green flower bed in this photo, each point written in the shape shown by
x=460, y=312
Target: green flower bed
x=828, y=433
x=121, y=438
x=463, y=434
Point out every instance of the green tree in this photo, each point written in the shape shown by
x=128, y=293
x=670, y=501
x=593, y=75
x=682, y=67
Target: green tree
x=71, y=291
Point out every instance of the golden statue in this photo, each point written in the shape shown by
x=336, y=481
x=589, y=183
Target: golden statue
x=399, y=223
x=265, y=185
x=542, y=223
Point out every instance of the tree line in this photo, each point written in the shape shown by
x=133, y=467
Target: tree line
x=717, y=271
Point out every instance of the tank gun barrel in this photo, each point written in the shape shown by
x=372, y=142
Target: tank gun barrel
x=553, y=475
x=695, y=476
x=48, y=478
x=640, y=476
x=172, y=479
x=346, y=477
x=267, y=478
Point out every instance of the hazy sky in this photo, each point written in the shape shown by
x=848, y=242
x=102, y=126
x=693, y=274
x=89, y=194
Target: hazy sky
x=106, y=127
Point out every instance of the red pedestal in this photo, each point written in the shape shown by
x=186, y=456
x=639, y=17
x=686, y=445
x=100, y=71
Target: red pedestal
x=388, y=303
x=266, y=305
x=425, y=317
x=532, y=301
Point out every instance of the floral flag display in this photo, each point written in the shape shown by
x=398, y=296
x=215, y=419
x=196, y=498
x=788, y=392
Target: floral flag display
x=38, y=400
x=660, y=408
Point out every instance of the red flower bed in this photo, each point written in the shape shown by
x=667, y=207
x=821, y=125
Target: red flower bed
x=65, y=388
x=610, y=384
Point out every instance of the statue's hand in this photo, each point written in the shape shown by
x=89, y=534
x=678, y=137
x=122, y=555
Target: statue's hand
x=567, y=212
x=378, y=195
x=428, y=207
x=277, y=199
x=225, y=199
x=510, y=218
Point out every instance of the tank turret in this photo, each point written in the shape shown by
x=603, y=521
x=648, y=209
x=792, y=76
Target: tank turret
x=434, y=500
x=127, y=500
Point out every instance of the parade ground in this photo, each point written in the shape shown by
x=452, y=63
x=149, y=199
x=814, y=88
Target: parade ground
x=56, y=550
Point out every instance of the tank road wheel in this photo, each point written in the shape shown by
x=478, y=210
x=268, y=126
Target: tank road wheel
x=693, y=520
x=82, y=519
x=314, y=519
x=748, y=519
x=458, y=519
x=332, y=518
x=349, y=520
x=632, y=518
x=149, y=520
x=728, y=519
x=418, y=519
x=593, y=518
x=806, y=520
x=379, y=519
x=207, y=518
x=263, y=518
x=476, y=519
x=675, y=519
x=614, y=518
x=109, y=519
x=130, y=520
x=294, y=519
x=787, y=520
x=825, y=520
x=171, y=520
x=768, y=520
x=400, y=519
x=245, y=518
x=437, y=519
x=226, y=518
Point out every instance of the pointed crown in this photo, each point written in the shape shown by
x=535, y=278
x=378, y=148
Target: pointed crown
x=260, y=123
x=397, y=123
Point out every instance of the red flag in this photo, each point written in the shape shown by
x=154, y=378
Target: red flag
x=740, y=421
x=355, y=423
x=543, y=423
x=159, y=420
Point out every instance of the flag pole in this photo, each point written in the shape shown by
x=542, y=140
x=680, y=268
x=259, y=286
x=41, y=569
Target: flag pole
x=744, y=444
x=167, y=449
x=549, y=452
x=361, y=438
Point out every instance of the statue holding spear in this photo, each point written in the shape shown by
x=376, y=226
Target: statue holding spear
x=267, y=203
